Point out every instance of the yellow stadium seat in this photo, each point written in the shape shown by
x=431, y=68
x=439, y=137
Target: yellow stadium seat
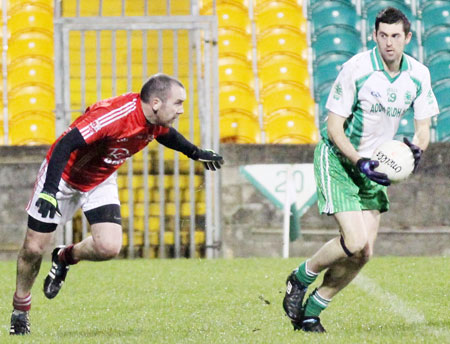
x=283, y=70
x=278, y=14
x=230, y=15
x=31, y=18
x=30, y=44
x=17, y=5
x=238, y=128
x=199, y=237
x=235, y=43
x=33, y=129
x=237, y=99
x=291, y=127
x=2, y=135
x=30, y=72
x=286, y=96
x=87, y=8
x=236, y=72
x=282, y=42
x=31, y=100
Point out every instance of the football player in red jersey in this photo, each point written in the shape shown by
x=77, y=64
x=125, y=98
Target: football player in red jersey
x=79, y=172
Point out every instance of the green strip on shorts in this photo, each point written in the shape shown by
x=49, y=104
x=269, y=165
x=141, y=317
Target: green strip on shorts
x=341, y=187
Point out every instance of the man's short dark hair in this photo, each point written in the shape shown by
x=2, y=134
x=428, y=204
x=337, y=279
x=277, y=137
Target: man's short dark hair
x=391, y=15
x=158, y=86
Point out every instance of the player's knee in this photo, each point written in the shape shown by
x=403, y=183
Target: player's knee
x=353, y=246
x=107, y=250
x=31, y=251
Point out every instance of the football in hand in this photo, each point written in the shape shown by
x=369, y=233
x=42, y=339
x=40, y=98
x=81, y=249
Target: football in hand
x=396, y=160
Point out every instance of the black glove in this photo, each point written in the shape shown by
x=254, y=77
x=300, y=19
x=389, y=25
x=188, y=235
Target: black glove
x=209, y=158
x=368, y=166
x=416, y=150
x=47, y=204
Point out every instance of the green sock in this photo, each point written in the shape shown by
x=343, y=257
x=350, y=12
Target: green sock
x=305, y=276
x=315, y=304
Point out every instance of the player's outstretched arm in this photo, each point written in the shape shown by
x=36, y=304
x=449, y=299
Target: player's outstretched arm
x=174, y=140
x=47, y=203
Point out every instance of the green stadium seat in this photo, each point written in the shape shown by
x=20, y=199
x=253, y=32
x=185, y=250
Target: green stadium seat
x=443, y=127
x=336, y=40
x=441, y=91
x=326, y=70
x=333, y=13
x=321, y=99
x=436, y=42
x=439, y=70
x=435, y=13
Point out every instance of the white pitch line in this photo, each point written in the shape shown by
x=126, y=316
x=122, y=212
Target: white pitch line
x=396, y=305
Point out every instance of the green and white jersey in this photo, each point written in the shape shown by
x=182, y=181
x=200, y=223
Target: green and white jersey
x=373, y=102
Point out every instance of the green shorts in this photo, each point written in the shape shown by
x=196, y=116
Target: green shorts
x=341, y=187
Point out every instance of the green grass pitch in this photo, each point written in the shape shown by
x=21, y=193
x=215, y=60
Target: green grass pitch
x=396, y=300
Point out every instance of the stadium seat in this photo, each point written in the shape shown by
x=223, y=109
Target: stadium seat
x=31, y=44
x=88, y=8
x=238, y=128
x=237, y=99
x=435, y=13
x=31, y=130
x=326, y=70
x=443, y=127
x=286, y=96
x=283, y=70
x=2, y=136
x=282, y=42
x=17, y=5
x=291, y=127
x=230, y=15
x=278, y=14
x=234, y=43
x=30, y=72
x=441, y=91
x=439, y=70
x=333, y=13
x=30, y=18
x=235, y=72
x=321, y=100
x=31, y=100
x=436, y=42
x=406, y=126
x=336, y=40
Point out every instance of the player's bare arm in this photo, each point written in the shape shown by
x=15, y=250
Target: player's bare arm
x=337, y=136
x=422, y=133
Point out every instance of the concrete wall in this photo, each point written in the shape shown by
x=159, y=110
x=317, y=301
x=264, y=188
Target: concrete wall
x=18, y=170
x=420, y=206
x=418, y=222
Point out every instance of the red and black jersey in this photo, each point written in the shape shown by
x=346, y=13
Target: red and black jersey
x=114, y=129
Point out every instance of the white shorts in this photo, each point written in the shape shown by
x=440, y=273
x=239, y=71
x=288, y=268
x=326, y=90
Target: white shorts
x=70, y=199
